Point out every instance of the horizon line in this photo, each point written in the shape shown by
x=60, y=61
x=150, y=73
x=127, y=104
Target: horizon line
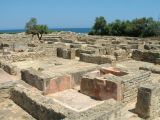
x=50, y=28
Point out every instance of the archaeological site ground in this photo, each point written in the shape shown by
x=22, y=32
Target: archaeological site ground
x=73, y=76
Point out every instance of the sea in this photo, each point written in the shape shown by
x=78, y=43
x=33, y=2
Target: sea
x=76, y=30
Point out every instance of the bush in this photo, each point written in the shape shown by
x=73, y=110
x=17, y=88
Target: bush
x=142, y=27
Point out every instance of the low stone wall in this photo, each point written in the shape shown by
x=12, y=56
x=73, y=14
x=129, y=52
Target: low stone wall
x=97, y=59
x=7, y=67
x=153, y=69
x=36, y=104
x=148, y=56
x=22, y=56
x=80, y=51
x=130, y=84
x=45, y=83
x=5, y=90
x=121, y=54
x=78, y=74
x=148, y=101
x=66, y=53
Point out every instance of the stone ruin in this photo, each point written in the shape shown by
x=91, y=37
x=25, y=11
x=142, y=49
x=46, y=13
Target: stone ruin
x=79, y=77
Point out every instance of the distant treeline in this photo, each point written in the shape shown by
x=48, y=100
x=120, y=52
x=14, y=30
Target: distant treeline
x=139, y=27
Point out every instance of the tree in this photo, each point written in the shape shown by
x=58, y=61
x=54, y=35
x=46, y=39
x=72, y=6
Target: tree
x=41, y=29
x=139, y=27
x=33, y=28
x=99, y=27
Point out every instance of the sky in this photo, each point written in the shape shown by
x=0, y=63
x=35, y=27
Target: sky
x=73, y=13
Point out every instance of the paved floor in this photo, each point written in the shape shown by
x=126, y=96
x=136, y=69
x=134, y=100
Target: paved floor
x=74, y=100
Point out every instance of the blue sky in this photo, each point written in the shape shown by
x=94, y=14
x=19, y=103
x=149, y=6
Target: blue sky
x=73, y=13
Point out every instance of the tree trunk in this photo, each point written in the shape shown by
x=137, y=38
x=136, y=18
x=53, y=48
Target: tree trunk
x=40, y=37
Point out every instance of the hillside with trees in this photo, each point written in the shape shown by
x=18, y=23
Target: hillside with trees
x=139, y=27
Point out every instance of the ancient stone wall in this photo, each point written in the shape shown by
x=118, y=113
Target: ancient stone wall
x=5, y=90
x=121, y=54
x=35, y=104
x=102, y=88
x=130, y=84
x=79, y=51
x=23, y=56
x=7, y=67
x=148, y=101
x=148, y=56
x=34, y=78
x=46, y=83
x=43, y=108
x=66, y=53
x=97, y=59
x=121, y=87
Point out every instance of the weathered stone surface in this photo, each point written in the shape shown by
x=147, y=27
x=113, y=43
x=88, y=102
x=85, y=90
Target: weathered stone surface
x=35, y=104
x=11, y=111
x=57, y=84
x=97, y=59
x=152, y=68
x=46, y=83
x=108, y=84
x=148, y=101
x=66, y=53
x=43, y=108
x=5, y=90
x=149, y=56
x=9, y=68
x=102, y=88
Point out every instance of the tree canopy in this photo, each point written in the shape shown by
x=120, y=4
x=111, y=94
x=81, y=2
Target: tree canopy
x=33, y=28
x=142, y=27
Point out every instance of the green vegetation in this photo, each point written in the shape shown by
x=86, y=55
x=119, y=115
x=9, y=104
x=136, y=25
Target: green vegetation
x=142, y=27
x=33, y=28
